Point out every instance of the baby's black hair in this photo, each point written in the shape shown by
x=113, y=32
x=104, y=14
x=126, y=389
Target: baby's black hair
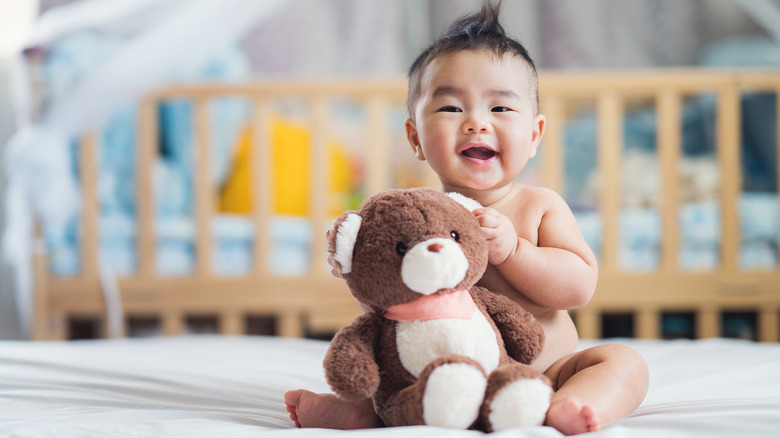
x=480, y=30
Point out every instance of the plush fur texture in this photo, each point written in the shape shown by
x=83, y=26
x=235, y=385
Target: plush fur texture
x=445, y=371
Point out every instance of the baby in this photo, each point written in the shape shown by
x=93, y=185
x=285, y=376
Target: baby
x=474, y=118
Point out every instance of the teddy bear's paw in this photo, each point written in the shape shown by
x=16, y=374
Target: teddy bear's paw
x=521, y=403
x=453, y=395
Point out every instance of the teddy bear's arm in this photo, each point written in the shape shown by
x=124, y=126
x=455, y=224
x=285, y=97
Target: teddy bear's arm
x=350, y=365
x=523, y=336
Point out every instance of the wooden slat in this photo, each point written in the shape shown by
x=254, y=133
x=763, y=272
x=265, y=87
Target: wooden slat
x=378, y=168
x=648, y=323
x=610, y=148
x=756, y=79
x=44, y=325
x=172, y=322
x=728, y=145
x=551, y=150
x=777, y=163
x=588, y=322
x=204, y=191
x=90, y=209
x=261, y=175
x=570, y=84
x=632, y=84
x=669, y=147
x=319, y=188
x=289, y=324
x=768, y=325
x=707, y=322
x=230, y=322
x=395, y=89
x=147, y=154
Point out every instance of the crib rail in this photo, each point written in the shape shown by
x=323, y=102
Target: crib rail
x=319, y=302
x=705, y=295
x=296, y=304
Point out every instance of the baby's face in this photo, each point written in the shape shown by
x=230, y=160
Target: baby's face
x=474, y=121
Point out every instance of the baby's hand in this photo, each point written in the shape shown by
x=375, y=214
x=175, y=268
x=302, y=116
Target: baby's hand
x=499, y=232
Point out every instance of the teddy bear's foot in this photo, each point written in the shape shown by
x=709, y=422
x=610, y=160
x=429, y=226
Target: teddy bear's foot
x=453, y=395
x=517, y=396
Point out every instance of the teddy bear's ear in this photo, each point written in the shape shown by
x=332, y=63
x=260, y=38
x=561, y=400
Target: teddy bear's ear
x=345, y=237
x=465, y=201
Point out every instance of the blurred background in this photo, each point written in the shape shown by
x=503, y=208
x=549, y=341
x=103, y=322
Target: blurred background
x=101, y=56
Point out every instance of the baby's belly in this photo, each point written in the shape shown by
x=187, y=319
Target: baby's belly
x=420, y=342
x=560, y=338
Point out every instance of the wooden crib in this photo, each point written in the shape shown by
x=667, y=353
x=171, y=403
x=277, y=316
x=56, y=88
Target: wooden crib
x=317, y=304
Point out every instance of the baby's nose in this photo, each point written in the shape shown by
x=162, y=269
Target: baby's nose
x=475, y=124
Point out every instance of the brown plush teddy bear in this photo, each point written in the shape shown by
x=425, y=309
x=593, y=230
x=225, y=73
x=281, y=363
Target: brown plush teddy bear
x=435, y=349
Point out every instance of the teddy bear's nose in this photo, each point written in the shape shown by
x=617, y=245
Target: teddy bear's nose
x=434, y=247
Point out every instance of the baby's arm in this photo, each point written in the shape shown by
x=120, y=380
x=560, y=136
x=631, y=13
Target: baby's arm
x=560, y=270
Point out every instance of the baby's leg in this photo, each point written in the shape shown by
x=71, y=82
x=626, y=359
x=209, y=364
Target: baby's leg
x=308, y=409
x=594, y=387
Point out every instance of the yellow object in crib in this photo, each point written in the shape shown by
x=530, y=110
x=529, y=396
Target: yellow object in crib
x=291, y=179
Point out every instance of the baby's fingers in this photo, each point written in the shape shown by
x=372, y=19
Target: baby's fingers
x=491, y=234
x=485, y=211
x=488, y=221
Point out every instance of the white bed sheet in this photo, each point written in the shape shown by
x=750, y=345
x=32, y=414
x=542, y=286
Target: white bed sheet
x=217, y=386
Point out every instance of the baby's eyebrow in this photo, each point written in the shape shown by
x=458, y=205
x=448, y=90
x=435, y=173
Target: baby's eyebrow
x=446, y=91
x=504, y=93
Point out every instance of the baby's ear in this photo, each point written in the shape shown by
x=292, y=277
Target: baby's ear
x=414, y=139
x=341, y=241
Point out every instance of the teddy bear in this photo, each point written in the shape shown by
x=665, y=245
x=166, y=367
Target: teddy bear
x=432, y=348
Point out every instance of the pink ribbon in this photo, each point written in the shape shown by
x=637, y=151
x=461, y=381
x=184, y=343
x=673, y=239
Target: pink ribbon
x=457, y=304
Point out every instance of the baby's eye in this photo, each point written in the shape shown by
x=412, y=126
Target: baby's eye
x=500, y=109
x=449, y=109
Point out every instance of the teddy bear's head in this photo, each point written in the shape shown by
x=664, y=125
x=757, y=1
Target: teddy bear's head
x=403, y=244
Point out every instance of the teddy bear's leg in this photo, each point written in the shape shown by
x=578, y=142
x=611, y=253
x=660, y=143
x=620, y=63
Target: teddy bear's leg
x=516, y=396
x=448, y=393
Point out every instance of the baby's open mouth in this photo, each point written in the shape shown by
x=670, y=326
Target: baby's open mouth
x=479, y=153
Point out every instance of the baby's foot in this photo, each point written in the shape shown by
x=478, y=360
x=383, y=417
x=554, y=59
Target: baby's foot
x=570, y=417
x=308, y=409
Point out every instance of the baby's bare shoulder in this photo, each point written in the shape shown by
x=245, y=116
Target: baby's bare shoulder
x=541, y=198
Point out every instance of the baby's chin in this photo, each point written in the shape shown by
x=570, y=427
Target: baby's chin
x=490, y=180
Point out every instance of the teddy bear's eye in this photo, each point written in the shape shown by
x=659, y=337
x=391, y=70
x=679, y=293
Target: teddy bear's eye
x=455, y=235
x=400, y=248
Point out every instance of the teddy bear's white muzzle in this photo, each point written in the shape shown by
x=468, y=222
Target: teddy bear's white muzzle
x=434, y=264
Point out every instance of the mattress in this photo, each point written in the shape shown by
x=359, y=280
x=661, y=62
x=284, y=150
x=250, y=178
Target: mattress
x=232, y=386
